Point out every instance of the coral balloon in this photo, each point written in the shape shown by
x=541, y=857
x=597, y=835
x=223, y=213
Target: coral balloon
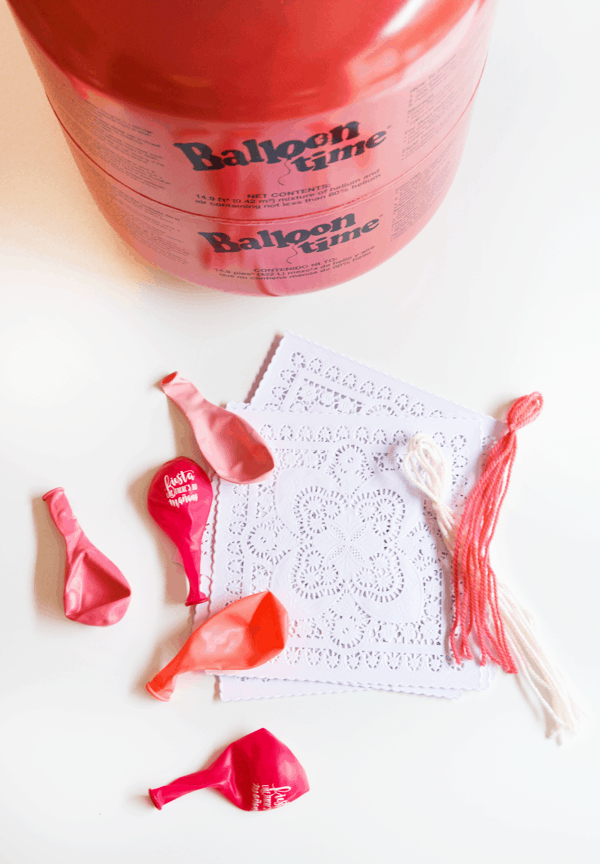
x=228, y=443
x=96, y=592
x=256, y=772
x=179, y=500
x=247, y=633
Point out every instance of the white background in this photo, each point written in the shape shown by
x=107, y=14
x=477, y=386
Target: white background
x=497, y=297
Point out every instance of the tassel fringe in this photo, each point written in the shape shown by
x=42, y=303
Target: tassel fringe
x=476, y=610
x=486, y=609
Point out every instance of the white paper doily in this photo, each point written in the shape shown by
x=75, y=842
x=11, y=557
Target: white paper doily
x=303, y=377
x=342, y=539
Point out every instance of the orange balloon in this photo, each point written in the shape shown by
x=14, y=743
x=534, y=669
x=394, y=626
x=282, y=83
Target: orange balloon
x=247, y=633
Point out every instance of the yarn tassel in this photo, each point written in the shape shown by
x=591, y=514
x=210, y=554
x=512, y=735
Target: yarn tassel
x=476, y=597
x=427, y=469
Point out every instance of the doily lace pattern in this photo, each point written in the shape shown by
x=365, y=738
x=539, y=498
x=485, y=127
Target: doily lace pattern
x=304, y=377
x=344, y=542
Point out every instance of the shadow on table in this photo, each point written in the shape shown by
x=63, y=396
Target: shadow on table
x=48, y=582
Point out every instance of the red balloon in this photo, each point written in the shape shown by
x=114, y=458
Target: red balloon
x=179, y=500
x=256, y=772
x=247, y=633
x=96, y=592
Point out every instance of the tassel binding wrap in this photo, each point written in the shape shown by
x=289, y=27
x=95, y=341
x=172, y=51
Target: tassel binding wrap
x=486, y=611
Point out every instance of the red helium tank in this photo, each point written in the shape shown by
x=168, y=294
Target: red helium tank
x=271, y=147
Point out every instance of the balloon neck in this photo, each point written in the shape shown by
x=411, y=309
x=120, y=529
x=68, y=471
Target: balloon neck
x=191, y=564
x=63, y=518
x=185, y=395
x=205, y=779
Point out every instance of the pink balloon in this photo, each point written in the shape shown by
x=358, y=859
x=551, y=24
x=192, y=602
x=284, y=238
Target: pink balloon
x=229, y=444
x=96, y=592
x=179, y=500
x=256, y=772
x=245, y=634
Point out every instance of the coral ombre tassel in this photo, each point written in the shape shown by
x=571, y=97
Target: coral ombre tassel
x=427, y=469
x=476, y=597
x=245, y=634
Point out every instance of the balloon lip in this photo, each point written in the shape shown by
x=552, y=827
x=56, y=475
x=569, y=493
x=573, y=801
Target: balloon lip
x=203, y=599
x=168, y=378
x=156, y=695
x=52, y=491
x=154, y=798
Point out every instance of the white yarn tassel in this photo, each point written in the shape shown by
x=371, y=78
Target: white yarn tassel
x=426, y=468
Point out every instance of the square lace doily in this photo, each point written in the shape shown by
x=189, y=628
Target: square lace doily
x=338, y=534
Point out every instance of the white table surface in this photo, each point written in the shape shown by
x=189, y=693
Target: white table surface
x=497, y=297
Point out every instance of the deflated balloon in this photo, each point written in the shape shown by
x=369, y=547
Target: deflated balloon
x=229, y=444
x=179, y=500
x=256, y=772
x=96, y=592
x=247, y=633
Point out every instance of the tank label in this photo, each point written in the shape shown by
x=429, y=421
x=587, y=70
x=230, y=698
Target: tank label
x=282, y=207
x=294, y=152
x=286, y=256
x=339, y=230
x=252, y=171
